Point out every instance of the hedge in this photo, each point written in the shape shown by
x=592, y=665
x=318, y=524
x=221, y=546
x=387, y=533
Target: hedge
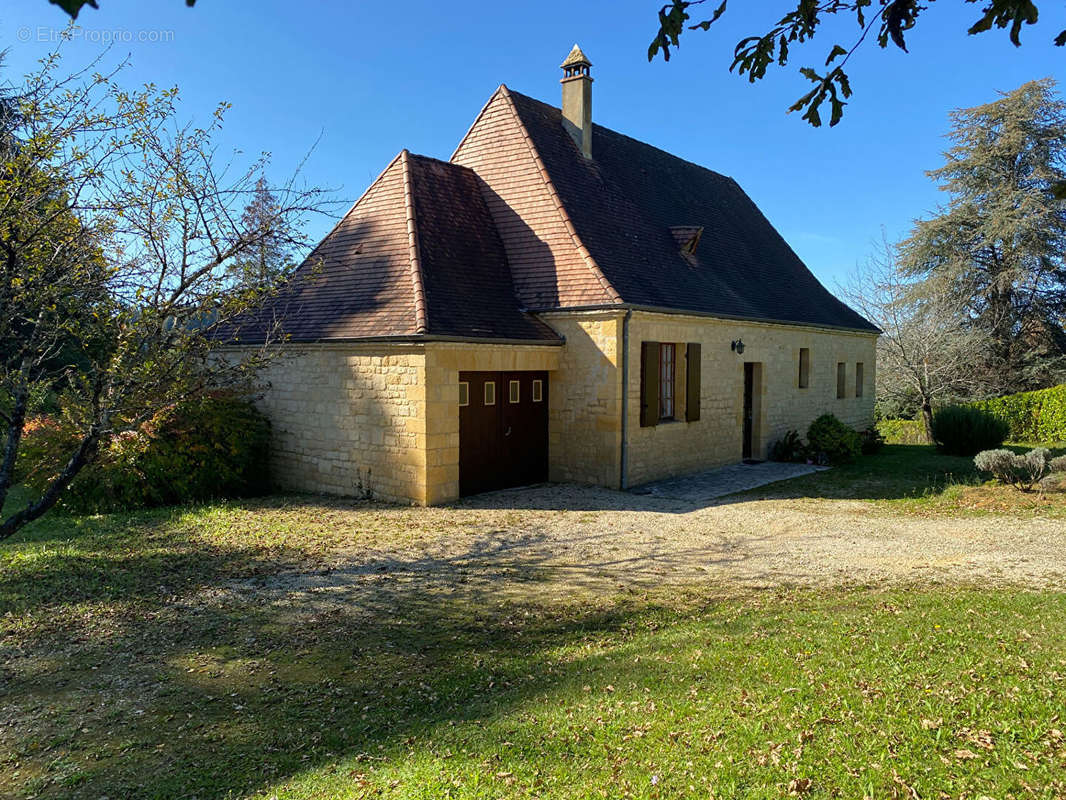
x=902, y=431
x=1038, y=416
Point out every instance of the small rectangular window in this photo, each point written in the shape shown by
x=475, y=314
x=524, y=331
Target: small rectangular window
x=464, y=393
x=514, y=391
x=805, y=368
x=666, y=381
x=842, y=380
x=858, y=379
x=490, y=393
x=538, y=390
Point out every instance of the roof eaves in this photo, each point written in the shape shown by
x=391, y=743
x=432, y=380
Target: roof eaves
x=873, y=330
x=608, y=289
x=414, y=253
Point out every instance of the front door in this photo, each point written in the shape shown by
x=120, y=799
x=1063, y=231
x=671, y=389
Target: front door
x=749, y=408
x=503, y=430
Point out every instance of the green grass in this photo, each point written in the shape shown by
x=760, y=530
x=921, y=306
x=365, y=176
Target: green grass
x=916, y=479
x=129, y=669
x=125, y=673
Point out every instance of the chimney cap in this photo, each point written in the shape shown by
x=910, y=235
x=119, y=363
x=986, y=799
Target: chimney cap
x=576, y=58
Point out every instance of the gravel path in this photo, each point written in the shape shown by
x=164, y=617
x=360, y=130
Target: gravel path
x=563, y=540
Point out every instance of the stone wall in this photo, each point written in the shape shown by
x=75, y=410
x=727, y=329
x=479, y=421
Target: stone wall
x=349, y=420
x=585, y=406
x=383, y=419
x=672, y=448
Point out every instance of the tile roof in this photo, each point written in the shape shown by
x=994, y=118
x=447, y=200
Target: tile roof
x=418, y=255
x=519, y=220
x=625, y=204
x=550, y=265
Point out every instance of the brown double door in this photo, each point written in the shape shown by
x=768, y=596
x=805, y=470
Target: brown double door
x=503, y=430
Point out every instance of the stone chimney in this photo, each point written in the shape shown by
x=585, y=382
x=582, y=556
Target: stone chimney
x=577, y=100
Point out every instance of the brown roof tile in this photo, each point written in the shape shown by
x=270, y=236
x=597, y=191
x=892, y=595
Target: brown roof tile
x=624, y=204
x=417, y=255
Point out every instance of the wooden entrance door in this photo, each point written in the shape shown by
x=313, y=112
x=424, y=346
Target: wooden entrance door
x=503, y=430
x=749, y=408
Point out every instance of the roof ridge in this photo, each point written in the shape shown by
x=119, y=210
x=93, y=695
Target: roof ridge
x=557, y=201
x=345, y=215
x=414, y=252
x=641, y=142
x=501, y=88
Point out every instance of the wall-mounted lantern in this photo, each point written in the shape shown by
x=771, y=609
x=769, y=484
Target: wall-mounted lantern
x=737, y=346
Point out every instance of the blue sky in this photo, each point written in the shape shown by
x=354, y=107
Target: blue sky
x=372, y=78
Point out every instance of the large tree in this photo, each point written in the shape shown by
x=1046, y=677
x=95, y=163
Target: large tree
x=119, y=232
x=925, y=354
x=997, y=249
x=800, y=21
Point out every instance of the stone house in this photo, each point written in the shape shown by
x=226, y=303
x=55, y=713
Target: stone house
x=557, y=302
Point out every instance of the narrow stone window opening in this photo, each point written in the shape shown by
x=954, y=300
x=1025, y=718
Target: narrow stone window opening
x=842, y=380
x=666, y=381
x=805, y=367
x=858, y=379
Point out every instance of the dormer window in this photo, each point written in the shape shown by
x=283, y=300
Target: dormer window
x=687, y=238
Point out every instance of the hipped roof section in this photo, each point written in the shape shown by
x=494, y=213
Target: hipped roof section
x=417, y=256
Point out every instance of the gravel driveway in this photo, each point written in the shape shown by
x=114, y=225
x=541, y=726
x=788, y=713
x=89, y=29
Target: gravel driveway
x=563, y=540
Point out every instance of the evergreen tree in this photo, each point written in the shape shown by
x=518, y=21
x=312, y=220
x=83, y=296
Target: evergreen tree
x=996, y=251
x=270, y=259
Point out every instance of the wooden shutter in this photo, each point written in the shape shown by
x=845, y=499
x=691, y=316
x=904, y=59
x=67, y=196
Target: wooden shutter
x=649, y=384
x=692, y=381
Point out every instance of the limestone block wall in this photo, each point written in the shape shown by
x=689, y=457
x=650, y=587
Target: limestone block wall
x=443, y=363
x=349, y=420
x=672, y=448
x=585, y=405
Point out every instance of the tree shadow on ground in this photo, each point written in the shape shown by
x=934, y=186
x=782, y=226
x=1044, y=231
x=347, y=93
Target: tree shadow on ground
x=234, y=684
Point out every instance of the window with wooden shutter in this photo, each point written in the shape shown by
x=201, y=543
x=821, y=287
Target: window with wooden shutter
x=649, y=384
x=692, y=381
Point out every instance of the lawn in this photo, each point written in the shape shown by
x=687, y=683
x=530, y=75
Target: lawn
x=916, y=479
x=129, y=668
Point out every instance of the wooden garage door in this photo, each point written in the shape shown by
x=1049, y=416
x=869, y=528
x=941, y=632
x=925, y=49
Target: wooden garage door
x=503, y=430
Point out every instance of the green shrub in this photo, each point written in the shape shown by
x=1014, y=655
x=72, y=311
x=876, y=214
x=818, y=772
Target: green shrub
x=1038, y=416
x=1023, y=471
x=966, y=431
x=789, y=447
x=210, y=447
x=833, y=442
x=871, y=441
x=902, y=431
